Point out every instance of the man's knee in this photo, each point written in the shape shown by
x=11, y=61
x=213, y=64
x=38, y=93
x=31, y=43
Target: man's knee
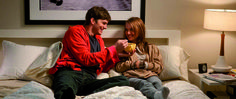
x=122, y=79
x=64, y=92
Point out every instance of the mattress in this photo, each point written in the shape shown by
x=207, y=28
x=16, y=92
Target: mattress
x=179, y=89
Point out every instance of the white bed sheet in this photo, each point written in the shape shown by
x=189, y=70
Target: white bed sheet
x=180, y=89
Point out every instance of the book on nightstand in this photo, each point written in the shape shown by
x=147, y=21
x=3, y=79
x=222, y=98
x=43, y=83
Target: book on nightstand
x=222, y=78
x=233, y=71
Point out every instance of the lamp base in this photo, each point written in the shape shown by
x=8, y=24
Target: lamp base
x=224, y=69
x=221, y=65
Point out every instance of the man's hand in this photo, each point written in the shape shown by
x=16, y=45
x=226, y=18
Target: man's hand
x=125, y=54
x=120, y=45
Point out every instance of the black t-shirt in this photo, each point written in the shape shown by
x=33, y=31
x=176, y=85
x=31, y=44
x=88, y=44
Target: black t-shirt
x=94, y=47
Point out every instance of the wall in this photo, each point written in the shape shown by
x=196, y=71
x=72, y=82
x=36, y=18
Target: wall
x=185, y=15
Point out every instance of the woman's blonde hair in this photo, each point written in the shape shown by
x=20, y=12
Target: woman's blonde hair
x=138, y=26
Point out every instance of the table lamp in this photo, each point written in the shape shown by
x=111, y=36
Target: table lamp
x=220, y=20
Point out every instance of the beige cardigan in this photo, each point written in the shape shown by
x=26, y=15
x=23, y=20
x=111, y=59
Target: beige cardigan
x=154, y=60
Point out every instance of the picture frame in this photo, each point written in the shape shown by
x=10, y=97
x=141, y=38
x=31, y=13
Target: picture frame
x=35, y=16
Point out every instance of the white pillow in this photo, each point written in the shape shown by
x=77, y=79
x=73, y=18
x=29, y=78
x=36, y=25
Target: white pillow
x=17, y=58
x=175, y=61
x=38, y=70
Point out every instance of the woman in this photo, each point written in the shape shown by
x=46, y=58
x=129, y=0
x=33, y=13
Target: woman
x=144, y=66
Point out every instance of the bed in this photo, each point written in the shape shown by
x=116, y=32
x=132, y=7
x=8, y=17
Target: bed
x=23, y=73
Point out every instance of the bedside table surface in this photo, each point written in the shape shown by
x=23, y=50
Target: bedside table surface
x=205, y=80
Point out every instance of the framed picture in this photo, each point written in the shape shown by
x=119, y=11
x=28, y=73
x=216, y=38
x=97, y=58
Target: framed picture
x=71, y=12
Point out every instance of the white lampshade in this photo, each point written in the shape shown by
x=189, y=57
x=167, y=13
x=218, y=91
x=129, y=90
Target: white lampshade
x=220, y=19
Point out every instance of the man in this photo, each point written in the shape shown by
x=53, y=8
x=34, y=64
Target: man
x=84, y=56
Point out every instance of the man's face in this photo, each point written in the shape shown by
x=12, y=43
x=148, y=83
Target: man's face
x=99, y=26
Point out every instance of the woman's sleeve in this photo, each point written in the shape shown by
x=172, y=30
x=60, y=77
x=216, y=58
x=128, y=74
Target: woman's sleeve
x=123, y=65
x=155, y=63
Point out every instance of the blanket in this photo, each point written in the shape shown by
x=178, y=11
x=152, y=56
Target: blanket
x=118, y=92
x=32, y=90
x=7, y=87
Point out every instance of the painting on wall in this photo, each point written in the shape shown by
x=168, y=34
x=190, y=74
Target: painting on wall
x=70, y=12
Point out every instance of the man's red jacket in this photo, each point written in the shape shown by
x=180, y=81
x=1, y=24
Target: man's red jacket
x=76, y=52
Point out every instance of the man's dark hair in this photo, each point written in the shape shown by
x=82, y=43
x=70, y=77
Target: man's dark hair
x=97, y=13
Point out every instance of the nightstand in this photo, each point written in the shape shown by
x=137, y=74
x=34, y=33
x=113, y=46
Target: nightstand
x=204, y=84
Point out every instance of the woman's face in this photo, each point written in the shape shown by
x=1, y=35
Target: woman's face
x=130, y=34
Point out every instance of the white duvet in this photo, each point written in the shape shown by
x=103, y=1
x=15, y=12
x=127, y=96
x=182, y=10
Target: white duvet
x=123, y=92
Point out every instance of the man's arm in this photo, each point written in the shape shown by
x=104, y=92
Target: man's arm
x=78, y=46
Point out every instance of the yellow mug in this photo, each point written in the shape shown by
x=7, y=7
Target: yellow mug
x=130, y=48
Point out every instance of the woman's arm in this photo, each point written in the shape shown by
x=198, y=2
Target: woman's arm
x=155, y=63
x=124, y=65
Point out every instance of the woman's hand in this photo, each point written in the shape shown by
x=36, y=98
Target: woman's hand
x=138, y=65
